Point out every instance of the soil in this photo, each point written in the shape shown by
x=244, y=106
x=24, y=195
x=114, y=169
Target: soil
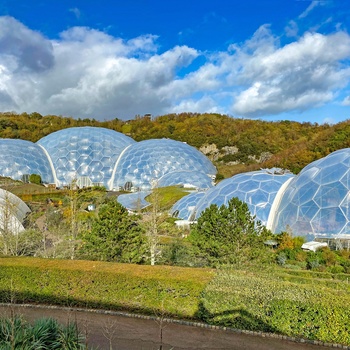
x=105, y=330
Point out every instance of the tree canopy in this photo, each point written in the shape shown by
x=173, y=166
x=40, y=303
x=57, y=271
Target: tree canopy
x=114, y=236
x=228, y=234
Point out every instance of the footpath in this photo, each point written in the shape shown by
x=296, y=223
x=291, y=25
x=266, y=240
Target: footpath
x=112, y=330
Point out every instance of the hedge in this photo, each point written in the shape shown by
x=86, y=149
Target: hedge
x=134, y=288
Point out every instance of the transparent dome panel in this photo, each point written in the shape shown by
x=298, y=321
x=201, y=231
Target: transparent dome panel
x=251, y=188
x=188, y=179
x=320, y=194
x=134, y=201
x=186, y=205
x=19, y=157
x=156, y=158
x=84, y=151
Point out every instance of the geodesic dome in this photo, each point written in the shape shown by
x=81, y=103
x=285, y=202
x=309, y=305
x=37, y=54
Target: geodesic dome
x=257, y=188
x=12, y=212
x=317, y=201
x=134, y=201
x=84, y=152
x=143, y=164
x=19, y=157
x=187, y=179
x=184, y=208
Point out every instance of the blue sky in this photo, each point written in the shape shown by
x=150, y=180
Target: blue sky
x=266, y=59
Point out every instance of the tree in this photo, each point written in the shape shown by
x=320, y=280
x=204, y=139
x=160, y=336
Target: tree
x=228, y=234
x=115, y=236
x=35, y=179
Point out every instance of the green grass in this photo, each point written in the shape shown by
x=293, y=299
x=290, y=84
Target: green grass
x=168, y=196
x=310, y=306
x=93, y=284
x=305, y=304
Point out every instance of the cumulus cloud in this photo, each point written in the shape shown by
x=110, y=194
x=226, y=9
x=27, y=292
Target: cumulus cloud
x=298, y=76
x=88, y=73
x=346, y=101
x=22, y=49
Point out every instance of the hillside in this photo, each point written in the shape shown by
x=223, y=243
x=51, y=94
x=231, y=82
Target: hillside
x=234, y=145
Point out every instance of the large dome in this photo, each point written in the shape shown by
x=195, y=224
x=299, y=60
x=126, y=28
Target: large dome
x=19, y=157
x=143, y=164
x=317, y=201
x=84, y=152
x=257, y=188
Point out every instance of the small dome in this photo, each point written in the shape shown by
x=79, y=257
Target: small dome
x=257, y=188
x=12, y=212
x=144, y=164
x=184, y=208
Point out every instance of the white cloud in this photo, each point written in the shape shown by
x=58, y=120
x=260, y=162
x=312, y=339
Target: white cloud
x=88, y=73
x=91, y=74
x=76, y=12
x=298, y=76
x=346, y=101
x=312, y=5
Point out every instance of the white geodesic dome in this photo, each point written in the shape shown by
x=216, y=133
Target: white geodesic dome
x=316, y=203
x=12, y=212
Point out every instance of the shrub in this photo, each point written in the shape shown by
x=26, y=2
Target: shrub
x=44, y=334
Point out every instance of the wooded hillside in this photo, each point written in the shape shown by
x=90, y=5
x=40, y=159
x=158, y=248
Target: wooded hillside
x=234, y=145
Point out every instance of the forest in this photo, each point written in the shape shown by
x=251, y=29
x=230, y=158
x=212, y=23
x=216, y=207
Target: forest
x=235, y=145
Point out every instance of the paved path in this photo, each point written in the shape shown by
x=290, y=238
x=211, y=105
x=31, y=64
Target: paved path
x=115, y=332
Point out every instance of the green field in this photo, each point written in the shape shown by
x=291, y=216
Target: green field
x=295, y=303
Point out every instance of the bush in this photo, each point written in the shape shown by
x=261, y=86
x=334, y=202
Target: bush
x=44, y=334
x=35, y=179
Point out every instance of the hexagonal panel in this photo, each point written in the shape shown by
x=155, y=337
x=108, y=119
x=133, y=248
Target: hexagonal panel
x=156, y=158
x=72, y=149
x=19, y=157
x=247, y=187
x=316, y=202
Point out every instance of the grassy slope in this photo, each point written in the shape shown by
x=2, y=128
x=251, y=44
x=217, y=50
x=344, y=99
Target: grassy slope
x=302, y=304
x=146, y=289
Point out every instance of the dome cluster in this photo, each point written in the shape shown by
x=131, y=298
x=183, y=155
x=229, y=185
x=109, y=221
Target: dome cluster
x=99, y=156
x=313, y=204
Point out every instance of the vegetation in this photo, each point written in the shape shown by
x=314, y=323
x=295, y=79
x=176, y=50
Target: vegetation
x=229, y=235
x=281, y=289
x=284, y=144
x=112, y=286
x=310, y=307
x=44, y=334
x=114, y=236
